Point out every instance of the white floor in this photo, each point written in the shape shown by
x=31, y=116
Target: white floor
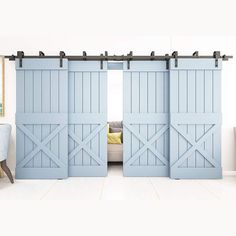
x=117, y=187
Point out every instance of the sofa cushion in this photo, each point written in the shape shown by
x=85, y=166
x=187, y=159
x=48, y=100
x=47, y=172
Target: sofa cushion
x=115, y=124
x=114, y=138
x=117, y=130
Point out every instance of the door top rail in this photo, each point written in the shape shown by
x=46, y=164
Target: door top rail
x=128, y=57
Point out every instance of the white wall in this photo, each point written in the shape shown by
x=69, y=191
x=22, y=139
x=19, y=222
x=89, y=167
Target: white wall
x=115, y=95
x=121, y=26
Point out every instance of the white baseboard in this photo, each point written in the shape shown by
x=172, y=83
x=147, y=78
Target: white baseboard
x=229, y=173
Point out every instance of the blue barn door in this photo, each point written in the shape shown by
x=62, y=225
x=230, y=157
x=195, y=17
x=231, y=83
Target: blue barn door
x=41, y=119
x=146, y=119
x=87, y=118
x=195, y=118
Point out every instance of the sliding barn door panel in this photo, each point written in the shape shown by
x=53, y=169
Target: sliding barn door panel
x=41, y=119
x=146, y=119
x=195, y=119
x=87, y=118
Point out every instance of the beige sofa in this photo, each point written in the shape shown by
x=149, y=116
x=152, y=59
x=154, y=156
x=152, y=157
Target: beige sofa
x=115, y=151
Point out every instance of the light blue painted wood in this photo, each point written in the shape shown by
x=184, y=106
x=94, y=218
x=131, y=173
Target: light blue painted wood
x=20, y=101
x=43, y=123
x=54, y=143
x=182, y=108
x=86, y=66
x=63, y=108
x=195, y=119
x=46, y=77
x=41, y=145
x=41, y=64
x=38, y=173
x=174, y=146
x=41, y=119
x=29, y=107
x=95, y=109
x=217, y=109
x=87, y=119
x=103, y=110
x=208, y=108
x=86, y=109
x=127, y=135
x=151, y=128
x=71, y=128
x=143, y=109
x=191, y=82
x=78, y=109
x=37, y=91
x=135, y=109
x=145, y=66
x=195, y=64
x=146, y=144
x=146, y=119
x=200, y=108
x=202, y=173
x=115, y=66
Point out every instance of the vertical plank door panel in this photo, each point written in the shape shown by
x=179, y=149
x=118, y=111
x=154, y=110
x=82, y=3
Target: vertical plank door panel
x=195, y=119
x=41, y=119
x=146, y=119
x=88, y=83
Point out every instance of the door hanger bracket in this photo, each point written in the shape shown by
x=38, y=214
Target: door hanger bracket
x=84, y=56
x=101, y=62
x=167, y=61
x=175, y=55
x=129, y=55
x=41, y=54
x=152, y=55
x=20, y=55
x=216, y=55
x=196, y=54
x=62, y=54
x=103, y=58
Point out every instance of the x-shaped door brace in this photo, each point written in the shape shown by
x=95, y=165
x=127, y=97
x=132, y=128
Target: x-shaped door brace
x=147, y=144
x=83, y=144
x=195, y=146
x=41, y=145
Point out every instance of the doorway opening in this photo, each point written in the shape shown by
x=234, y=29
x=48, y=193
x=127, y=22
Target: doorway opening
x=115, y=118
